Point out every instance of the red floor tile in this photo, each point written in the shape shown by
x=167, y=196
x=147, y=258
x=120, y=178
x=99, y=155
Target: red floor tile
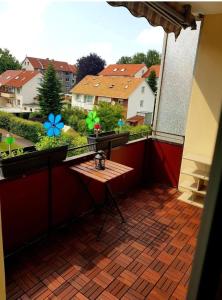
x=148, y=257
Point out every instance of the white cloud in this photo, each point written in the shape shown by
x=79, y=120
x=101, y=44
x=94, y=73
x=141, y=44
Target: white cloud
x=151, y=37
x=21, y=24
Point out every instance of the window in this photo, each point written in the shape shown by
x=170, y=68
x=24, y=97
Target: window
x=18, y=102
x=142, y=89
x=141, y=103
x=88, y=99
x=78, y=98
x=120, y=101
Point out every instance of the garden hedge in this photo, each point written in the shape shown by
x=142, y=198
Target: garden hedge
x=28, y=129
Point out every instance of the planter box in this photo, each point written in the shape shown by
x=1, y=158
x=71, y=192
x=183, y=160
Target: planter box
x=108, y=139
x=32, y=160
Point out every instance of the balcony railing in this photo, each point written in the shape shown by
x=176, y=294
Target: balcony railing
x=8, y=95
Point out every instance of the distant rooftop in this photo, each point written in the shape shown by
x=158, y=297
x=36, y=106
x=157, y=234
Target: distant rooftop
x=16, y=78
x=155, y=68
x=40, y=63
x=107, y=86
x=122, y=69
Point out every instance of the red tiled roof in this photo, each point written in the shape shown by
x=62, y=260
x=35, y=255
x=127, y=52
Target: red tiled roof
x=40, y=63
x=155, y=68
x=122, y=69
x=17, y=78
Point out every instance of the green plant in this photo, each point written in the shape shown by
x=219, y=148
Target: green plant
x=136, y=132
x=5, y=119
x=47, y=142
x=50, y=99
x=16, y=152
x=109, y=115
x=30, y=130
x=152, y=80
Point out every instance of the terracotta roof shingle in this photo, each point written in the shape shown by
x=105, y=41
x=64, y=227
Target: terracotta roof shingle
x=155, y=68
x=17, y=78
x=122, y=69
x=107, y=86
x=40, y=63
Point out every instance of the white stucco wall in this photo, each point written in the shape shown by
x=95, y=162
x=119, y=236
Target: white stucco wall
x=30, y=90
x=140, y=73
x=27, y=65
x=135, y=98
x=81, y=102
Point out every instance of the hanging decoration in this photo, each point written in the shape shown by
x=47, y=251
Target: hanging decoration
x=53, y=125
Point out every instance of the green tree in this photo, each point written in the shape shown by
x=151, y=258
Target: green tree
x=125, y=60
x=139, y=58
x=109, y=115
x=152, y=80
x=89, y=65
x=72, y=117
x=50, y=99
x=153, y=57
x=7, y=61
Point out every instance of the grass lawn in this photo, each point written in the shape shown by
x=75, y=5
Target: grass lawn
x=4, y=146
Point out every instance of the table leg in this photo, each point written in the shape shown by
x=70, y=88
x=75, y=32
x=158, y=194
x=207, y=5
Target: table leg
x=114, y=202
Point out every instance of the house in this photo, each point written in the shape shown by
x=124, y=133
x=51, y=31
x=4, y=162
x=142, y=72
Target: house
x=18, y=90
x=66, y=72
x=169, y=248
x=156, y=69
x=129, y=70
x=133, y=93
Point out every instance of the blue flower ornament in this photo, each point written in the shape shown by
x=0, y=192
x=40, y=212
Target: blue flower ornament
x=53, y=125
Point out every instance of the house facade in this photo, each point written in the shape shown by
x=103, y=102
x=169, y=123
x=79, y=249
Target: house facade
x=18, y=90
x=134, y=94
x=156, y=69
x=129, y=70
x=65, y=72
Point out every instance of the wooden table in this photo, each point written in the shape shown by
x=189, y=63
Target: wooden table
x=112, y=171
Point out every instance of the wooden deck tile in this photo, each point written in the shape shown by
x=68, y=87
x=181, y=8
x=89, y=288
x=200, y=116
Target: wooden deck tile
x=148, y=257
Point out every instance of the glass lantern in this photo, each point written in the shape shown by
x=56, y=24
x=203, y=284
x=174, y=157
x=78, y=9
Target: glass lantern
x=99, y=159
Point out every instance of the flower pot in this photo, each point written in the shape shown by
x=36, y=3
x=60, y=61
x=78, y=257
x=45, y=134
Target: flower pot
x=31, y=160
x=108, y=139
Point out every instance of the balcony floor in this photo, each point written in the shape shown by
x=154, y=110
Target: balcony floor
x=149, y=257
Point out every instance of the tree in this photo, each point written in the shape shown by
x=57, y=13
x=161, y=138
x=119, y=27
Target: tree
x=139, y=58
x=7, y=61
x=109, y=115
x=125, y=60
x=152, y=81
x=50, y=99
x=89, y=65
x=152, y=58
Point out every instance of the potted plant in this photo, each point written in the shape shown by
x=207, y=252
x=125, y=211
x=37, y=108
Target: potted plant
x=50, y=151
x=104, y=139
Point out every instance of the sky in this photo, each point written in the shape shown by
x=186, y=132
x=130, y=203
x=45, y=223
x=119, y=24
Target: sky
x=67, y=30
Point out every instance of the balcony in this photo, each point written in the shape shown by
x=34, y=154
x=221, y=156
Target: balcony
x=8, y=95
x=148, y=257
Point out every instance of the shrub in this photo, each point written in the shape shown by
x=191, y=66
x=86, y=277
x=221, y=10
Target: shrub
x=47, y=142
x=5, y=119
x=28, y=129
x=72, y=116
